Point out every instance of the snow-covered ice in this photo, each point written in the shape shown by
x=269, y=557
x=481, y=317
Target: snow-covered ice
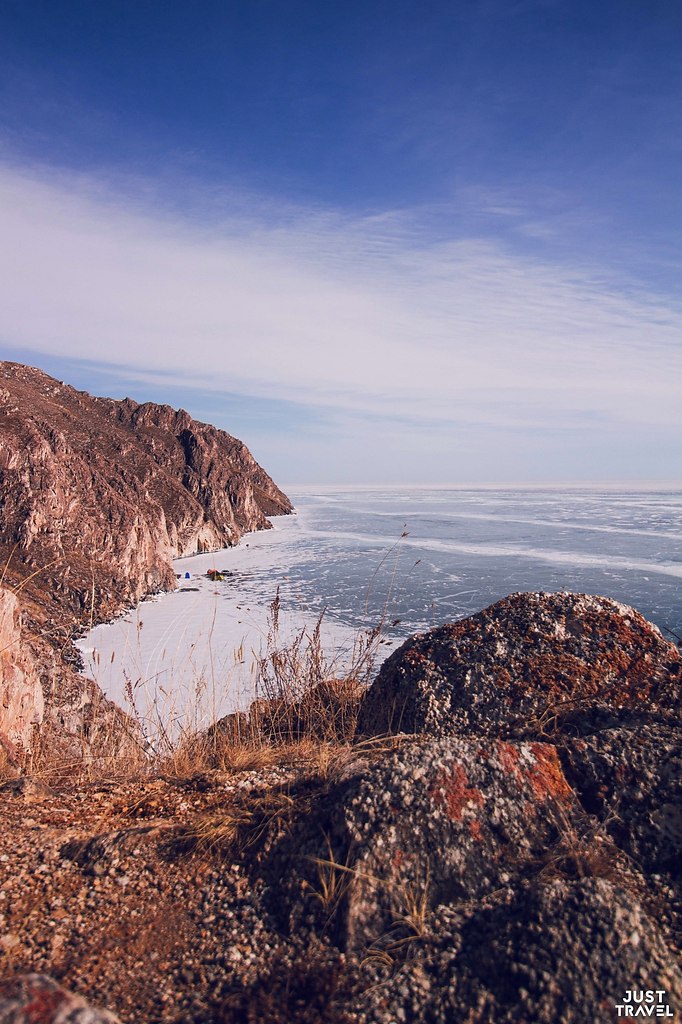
x=413, y=558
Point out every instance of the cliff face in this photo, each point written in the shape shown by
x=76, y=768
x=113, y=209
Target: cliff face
x=21, y=695
x=97, y=496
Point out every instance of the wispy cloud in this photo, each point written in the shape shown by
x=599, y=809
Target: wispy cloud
x=366, y=316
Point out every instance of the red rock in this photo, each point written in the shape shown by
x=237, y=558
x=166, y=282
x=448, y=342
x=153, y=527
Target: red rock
x=436, y=823
x=37, y=999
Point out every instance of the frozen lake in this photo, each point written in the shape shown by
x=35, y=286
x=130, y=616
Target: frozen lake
x=412, y=558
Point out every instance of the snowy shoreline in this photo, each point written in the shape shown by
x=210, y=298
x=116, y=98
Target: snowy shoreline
x=182, y=659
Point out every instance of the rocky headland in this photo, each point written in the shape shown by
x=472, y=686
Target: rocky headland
x=493, y=834
x=97, y=497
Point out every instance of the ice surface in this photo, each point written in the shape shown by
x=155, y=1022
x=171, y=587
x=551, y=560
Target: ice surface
x=361, y=556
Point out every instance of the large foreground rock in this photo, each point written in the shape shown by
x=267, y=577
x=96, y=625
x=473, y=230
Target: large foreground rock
x=630, y=779
x=534, y=663
x=523, y=863
x=470, y=871
x=557, y=950
x=436, y=823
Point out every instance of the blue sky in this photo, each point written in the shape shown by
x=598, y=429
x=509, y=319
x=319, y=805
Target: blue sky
x=379, y=241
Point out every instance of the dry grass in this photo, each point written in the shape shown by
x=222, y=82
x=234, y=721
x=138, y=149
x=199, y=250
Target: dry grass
x=304, y=715
x=415, y=903
x=244, y=822
x=410, y=898
x=217, y=830
x=60, y=768
x=333, y=881
x=304, y=693
x=586, y=851
x=106, y=746
x=237, y=827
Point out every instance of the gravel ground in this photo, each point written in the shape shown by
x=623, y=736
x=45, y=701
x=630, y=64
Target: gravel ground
x=130, y=918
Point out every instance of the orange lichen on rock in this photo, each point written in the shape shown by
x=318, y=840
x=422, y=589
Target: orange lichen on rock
x=503, y=678
x=546, y=775
x=509, y=756
x=559, y=673
x=476, y=830
x=452, y=791
x=528, y=658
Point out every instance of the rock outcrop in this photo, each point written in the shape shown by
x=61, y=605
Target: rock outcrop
x=516, y=869
x=21, y=694
x=431, y=825
x=630, y=779
x=532, y=662
x=518, y=856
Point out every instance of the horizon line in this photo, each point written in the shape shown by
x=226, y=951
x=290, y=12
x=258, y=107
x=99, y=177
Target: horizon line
x=615, y=485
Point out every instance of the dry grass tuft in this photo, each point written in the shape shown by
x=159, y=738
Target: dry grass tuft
x=304, y=714
x=237, y=827
x=411, y=900
x=217, y=830
x=302, y=693
x=333, y=881
x=587, y=851
x=304, y=717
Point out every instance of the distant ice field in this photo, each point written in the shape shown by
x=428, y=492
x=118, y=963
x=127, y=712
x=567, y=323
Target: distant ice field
x=466, y=549
x=412, y=558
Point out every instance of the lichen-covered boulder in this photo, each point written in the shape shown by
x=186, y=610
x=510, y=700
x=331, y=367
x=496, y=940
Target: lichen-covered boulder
x=438, y=822
x=37, y=999
x=631, y=780
x=532, y=663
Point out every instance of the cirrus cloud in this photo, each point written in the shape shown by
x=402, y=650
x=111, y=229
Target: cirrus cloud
x=368, y=318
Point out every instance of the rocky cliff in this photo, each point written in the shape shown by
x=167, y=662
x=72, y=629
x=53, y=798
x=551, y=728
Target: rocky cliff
x=21, y=694
x=97, y=496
